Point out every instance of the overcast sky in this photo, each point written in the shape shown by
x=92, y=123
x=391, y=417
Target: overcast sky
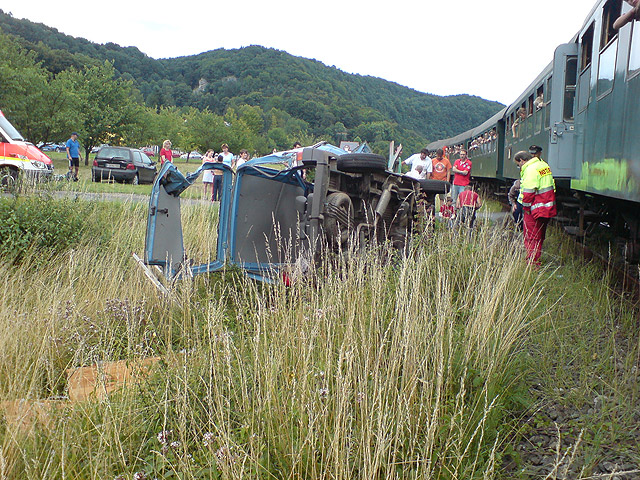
x=496, y=46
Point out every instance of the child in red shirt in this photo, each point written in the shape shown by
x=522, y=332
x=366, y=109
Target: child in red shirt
x=447, y=210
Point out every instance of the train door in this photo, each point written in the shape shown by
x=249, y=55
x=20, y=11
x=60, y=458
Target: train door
x=562, y=127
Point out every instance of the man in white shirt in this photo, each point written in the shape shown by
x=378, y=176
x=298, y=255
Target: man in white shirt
x=423, y=159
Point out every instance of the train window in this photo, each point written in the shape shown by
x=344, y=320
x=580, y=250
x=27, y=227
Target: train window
x=530, y=105
x=584, y=88
x=547, y=115
x=570, y=77
x=634, y=51
x=611, y=11
x=606, y=69
x=538, y=103
x=586, y=43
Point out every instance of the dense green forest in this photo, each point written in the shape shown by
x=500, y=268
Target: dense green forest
x=253, y=97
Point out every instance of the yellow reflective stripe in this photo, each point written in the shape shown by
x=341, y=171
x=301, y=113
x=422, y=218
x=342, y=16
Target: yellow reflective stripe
x=541, y=205
x=528, y=190
x=546, y=189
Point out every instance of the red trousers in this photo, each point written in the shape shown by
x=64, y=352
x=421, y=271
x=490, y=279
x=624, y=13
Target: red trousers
x=534, y=233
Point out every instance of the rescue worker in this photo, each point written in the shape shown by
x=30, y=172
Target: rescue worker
x=538, y=199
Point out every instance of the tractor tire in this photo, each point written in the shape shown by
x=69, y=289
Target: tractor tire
x=338, y=218
x=361, y=163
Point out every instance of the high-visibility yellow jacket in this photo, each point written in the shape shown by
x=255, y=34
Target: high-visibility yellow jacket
x=537, y=189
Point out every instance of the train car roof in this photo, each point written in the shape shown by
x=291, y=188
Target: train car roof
x=490, y=123
x=469, y=133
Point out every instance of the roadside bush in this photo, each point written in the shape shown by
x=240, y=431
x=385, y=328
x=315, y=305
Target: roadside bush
x=41, y=225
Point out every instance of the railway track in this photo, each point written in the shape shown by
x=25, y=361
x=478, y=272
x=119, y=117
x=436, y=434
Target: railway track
x=579, y=225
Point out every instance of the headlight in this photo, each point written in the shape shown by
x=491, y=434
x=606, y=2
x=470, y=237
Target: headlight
x=38, y=164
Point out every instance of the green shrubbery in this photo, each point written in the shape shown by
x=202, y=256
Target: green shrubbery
x=42, y=226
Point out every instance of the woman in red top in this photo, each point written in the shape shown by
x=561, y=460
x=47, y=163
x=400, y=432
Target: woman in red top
x=165, y=154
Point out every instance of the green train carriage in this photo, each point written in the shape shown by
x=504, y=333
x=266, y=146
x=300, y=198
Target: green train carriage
x=583, y=109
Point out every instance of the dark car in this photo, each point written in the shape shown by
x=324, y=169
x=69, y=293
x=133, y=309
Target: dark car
x=53, y=147
x=123, y=164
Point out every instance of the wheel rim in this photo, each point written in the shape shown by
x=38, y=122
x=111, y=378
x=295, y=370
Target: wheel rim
x=7, y=178
x=338, y=222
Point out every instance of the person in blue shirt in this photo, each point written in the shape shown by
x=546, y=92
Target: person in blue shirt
x=73, y=154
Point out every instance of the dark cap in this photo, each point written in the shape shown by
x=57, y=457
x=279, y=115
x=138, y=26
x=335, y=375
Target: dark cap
x=74, y=133
x=533, y=149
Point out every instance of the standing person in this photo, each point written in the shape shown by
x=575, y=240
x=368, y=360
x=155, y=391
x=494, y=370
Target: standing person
x=538, y=199
x=536, y=151
x=227, y=156
x=467, y=203
x=516, y=207
x=461, y=174
x=244, y=156
x=166, y=155
x=441, y=167
x=423, y=159
x=207, y=175
x=73, y=154
x=442, y=172
x=216, y=194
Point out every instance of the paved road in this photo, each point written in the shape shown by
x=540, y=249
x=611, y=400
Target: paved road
x=108, y=197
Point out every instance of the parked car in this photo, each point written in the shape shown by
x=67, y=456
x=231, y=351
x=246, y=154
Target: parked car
x=149, y=151
x=123, y=164
x=193, y=155
x=96, y=149
x=54, y=147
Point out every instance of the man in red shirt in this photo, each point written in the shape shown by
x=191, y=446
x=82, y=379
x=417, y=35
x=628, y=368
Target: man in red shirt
x=467, y=203
x=461, y=175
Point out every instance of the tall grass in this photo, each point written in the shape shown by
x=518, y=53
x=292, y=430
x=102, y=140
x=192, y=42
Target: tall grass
x=398, y=368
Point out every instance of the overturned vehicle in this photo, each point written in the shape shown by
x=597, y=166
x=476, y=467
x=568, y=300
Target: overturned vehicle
x=288, y=208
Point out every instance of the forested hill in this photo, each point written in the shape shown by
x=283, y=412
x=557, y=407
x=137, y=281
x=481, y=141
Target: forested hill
x=327, y=100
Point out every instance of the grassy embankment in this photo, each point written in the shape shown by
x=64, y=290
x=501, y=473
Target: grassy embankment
x=416, y=368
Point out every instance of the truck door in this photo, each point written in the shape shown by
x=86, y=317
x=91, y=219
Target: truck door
x=562, y=127
x=163, y=243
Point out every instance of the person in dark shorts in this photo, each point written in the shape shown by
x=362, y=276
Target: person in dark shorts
x=73, y=154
